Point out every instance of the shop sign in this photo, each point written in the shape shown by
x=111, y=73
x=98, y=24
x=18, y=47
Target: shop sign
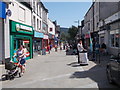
x=26, y=41
x=23, y=28
x=2, y=10
x=112, y=32
x=45, y=37
x=101, y=32
x=38, y=35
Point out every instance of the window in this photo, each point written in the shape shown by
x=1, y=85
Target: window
x=21, y=14
x=37, y=24
x=50, y=29
x=37, y=8
x=117, y=37
x=40, y=11
x=40, y=25
x=114, y=38
x=34, y=5
x=88, y=26
x=34, y=22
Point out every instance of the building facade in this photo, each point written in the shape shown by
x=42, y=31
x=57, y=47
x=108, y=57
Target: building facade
x=103, y=27
x=109, y=26
x=21, y=30
x=51, y=32
x=39, y=22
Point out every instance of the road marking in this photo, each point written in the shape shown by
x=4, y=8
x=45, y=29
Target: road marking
x=59, y=76
x=40, y=80
x=50, y=78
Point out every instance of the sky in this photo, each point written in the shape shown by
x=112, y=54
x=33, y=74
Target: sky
x=66, y=13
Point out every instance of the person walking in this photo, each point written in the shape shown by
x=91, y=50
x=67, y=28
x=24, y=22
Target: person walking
x=55, y=48
x=21, y=54
x=48, y=48
x=97, y=47
x=103, y=48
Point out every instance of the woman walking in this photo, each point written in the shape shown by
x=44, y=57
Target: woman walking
x=21, y=54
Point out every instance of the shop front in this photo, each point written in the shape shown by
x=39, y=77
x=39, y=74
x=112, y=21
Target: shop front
x=21, y=34
x=37, y=45
x=51, y=39
x=2, y=17
x=45, y=41
x=101, y=37
x=87, y=41
x=114, y=42
x=56, y=41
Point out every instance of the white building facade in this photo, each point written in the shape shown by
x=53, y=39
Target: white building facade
x=21, y=30
x=39, y=22
x=51, y=31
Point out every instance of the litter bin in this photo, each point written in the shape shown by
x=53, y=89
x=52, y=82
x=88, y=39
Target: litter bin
x=44, y=51
x=83, y=58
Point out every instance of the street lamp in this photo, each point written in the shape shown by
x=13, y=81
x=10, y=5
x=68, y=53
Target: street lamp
x=77, y=39
x=78, y=23
x=79, y=29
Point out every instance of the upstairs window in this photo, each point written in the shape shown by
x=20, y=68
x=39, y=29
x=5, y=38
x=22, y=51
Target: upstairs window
x=21, y=14
x=51, y=29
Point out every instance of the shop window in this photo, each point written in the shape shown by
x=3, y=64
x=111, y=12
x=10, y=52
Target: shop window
x=115, y=36
x=112, y=40
x=117, y=40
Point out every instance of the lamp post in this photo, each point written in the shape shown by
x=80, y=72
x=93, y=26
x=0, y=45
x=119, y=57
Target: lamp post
x=78, y=22
x=78, y=39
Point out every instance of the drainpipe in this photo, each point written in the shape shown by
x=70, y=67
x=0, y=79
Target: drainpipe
x=93, y=35
x=119, y=27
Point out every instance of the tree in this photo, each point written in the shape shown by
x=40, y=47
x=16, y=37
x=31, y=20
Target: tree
x=63, y=36
x=72, y=33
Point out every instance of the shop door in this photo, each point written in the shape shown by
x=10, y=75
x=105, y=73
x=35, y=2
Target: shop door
x=18, y=42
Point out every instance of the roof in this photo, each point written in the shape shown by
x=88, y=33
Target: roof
x=90, y=8
x=43, y=7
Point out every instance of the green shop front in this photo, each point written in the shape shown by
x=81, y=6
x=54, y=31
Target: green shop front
x=21, y=34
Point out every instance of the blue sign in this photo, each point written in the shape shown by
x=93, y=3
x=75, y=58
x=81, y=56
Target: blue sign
x=2, y=10
x=38, y=35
